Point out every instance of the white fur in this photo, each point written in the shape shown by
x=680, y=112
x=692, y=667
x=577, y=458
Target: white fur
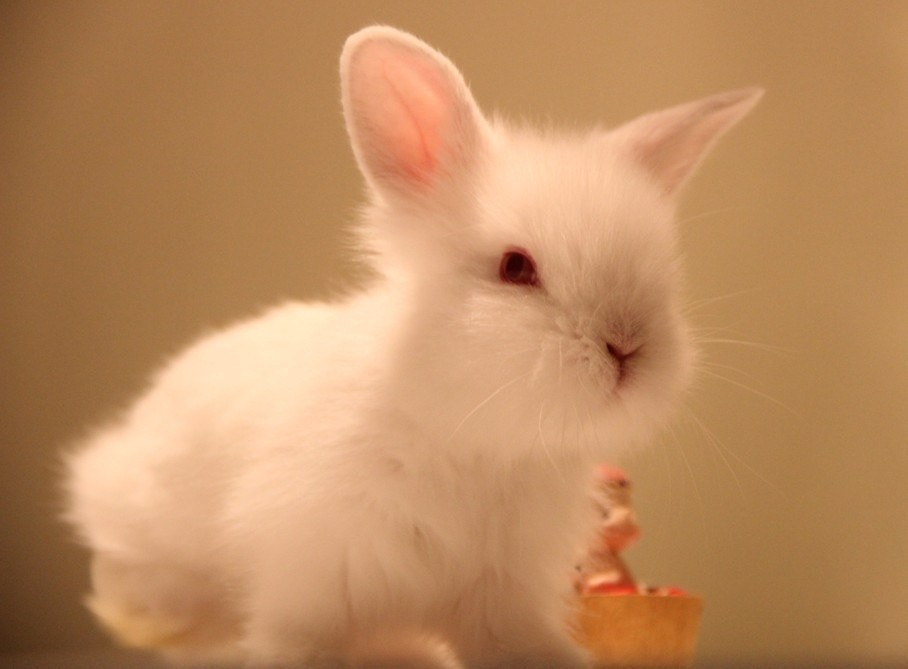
x=325, y=481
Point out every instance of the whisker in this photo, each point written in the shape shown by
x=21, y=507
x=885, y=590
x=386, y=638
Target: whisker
x=758, y=393
x=488, y=399
x=560, y=361
x=708, y=214
x=595, y=314
x=718, y=448
x=691, y=306
x=666, y=460
x=669, y=441
x=709, y=364
x=699, y=496
x=545, y=448
x=770, y=348
x=726, y=451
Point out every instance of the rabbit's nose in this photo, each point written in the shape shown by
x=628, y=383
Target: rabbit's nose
x=621, y=352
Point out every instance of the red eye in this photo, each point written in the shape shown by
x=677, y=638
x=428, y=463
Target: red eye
x=518, y=267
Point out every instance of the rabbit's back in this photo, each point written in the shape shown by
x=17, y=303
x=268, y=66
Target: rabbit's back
x=155, y=479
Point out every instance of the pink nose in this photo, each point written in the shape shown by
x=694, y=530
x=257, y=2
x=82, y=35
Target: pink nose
x=621, y=353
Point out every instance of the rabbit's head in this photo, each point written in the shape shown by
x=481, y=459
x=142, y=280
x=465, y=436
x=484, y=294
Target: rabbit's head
x=538, y=272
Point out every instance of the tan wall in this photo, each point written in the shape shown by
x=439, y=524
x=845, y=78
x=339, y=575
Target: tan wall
x=167, y=166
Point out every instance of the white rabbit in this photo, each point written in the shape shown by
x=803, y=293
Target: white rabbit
x=314, y=485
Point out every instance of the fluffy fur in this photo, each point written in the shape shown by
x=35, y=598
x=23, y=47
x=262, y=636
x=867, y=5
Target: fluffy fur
x=409, y=467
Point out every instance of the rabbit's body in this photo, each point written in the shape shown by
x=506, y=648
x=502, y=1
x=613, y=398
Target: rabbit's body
x=395, y=532
x=416, y=458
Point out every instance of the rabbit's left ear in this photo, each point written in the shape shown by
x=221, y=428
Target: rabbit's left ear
x=412, y=120
x=670, y=144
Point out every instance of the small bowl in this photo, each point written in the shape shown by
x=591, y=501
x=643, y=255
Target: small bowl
x=639, y=630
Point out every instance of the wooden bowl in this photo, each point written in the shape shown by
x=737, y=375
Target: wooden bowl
x=639, y=630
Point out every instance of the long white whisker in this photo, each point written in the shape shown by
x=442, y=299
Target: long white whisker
x=718, y=448
x=542, y=442
x=693, y=305
x=700, y=506
x=741, y=342
x=708, y=214
x=595, y=314
x=488, y=399
x=560, y=361
x=709, y=364
x=729, y=452
x=667, y=462
x=758, y=393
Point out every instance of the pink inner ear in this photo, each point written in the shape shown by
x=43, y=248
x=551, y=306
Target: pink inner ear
x=417, y=125
x=410, y=116
x=672, y=143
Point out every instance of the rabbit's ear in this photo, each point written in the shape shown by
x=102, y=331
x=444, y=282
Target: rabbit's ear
x=411, y=118
x=671, y=143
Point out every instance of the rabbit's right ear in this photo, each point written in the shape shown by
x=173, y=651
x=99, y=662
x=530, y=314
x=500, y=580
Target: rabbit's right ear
x=412, y=120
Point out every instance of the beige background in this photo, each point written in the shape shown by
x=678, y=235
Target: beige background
x=168, y=166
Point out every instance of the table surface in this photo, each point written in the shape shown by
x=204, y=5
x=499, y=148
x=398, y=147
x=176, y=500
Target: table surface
x=122, y=659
